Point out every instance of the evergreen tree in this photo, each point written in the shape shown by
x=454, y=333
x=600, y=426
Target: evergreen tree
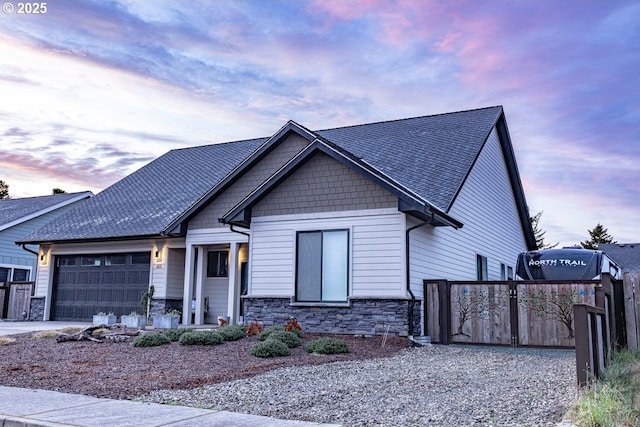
x=4, y=190
x=599, y=234
x=58, y=191
x=539, y=233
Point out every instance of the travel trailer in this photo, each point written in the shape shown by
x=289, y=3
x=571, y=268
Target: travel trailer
x=565, y=264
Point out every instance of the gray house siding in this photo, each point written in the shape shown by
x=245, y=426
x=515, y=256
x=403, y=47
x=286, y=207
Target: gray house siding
x=324, y=185
x=282, y=153
x=12, y=254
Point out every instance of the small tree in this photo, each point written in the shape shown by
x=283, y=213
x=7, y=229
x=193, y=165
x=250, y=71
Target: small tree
x=539, y=233
x=58, y=191
x=599, y=234
x=4, y=190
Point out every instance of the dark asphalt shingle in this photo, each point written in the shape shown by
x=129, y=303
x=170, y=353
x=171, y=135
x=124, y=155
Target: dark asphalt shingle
x=428, y=155
x=15, y=209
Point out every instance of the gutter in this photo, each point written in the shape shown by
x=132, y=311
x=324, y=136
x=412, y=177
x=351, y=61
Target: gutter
x=412, y=302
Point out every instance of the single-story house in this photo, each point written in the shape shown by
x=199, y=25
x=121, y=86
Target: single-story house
x=337, y=227
x=21, y=217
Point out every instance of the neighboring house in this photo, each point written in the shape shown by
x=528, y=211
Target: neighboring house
x=626, y=255
x=336, y=227
x=21, y=217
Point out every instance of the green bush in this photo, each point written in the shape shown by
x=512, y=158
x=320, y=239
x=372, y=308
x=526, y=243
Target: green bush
x=150, y=340
x=270, y=348
x=262, y=336
x=231, y=332
x=175, y=334
x=291, y=339
x=327, y=345
x=201, y=338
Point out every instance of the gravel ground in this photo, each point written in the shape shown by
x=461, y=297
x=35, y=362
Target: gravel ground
x=432, y=385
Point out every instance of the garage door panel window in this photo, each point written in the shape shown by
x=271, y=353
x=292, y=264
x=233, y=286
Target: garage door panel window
x=110, y=260
x=322, y=266
x=90, y=261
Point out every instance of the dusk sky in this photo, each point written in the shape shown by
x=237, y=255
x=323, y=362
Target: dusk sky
x=92, y=90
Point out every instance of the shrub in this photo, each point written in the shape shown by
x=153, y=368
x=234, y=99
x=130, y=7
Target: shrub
x=201, y=338
x=270, y=348
x=291, y=339
x=150, y=340
x=231, y=332
x=262, y=336
x=175, y=334
x=327, y=345
x=254, y=328
x=293, y=326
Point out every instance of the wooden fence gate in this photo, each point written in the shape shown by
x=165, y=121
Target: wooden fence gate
x=15, y=300
x=528, y=313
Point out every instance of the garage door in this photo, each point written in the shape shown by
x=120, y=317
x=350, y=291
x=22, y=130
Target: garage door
x=84, y=285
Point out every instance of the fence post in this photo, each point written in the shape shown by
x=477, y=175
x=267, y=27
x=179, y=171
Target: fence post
x=584, y=355
x=513, y=313
x=444, y=302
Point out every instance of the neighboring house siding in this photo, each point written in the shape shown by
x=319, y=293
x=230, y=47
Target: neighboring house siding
x=376, y=251
x=487, y=207
x=323, y=184
x=281, y=154
x=12, y=254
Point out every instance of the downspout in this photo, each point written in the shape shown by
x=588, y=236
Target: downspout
x=412, y=303
x=238, y=231
x=24, y=246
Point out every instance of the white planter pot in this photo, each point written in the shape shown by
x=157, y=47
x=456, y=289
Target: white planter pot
x=166, y=321
x=133, y=321
x=104, y=319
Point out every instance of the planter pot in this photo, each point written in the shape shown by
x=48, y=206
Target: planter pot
x=133, y=321
x=166, y=321
x=104, y=319
x=223, y=320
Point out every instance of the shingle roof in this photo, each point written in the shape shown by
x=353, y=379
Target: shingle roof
x=16, y=210
x=430, y=155
x=627, y=255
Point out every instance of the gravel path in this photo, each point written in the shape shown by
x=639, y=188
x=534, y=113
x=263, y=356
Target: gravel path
x=432, y=385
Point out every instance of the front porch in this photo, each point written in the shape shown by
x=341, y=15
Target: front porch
x=215, y=278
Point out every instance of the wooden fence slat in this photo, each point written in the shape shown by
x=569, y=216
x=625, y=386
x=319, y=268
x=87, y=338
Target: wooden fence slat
x=632, y=310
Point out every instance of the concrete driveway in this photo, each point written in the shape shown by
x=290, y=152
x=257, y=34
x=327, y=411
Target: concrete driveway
x=21, y=327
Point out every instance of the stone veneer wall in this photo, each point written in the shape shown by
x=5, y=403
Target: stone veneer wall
x=362, y=317
x=36, y=308
x=162, y=306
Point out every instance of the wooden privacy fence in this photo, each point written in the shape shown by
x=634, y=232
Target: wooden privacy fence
x=15, y=298
x=593, y=342
x=527, y=313
x=630, y=283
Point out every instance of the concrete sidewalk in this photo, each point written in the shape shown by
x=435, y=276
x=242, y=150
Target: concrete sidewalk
x=11, y=327
x=24, y=407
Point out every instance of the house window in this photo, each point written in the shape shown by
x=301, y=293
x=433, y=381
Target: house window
x=509, y=272
x=481, y=268
x=503, y=272
x=12, y=274
x=322, y=266
x=218, y=264
x=4, y=274
x=20, y=275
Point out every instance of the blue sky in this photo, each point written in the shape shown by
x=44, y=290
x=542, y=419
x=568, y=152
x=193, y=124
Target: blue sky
x=92, y=90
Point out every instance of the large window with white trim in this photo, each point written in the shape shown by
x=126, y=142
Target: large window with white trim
x=322, y=265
